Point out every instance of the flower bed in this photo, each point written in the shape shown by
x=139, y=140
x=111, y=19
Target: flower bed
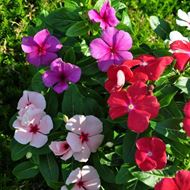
x=100, y=114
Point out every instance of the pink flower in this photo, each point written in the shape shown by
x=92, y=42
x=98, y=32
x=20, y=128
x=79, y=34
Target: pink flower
x=31, y=99
x=106, y=17
x=111, y=48
x=85, y=136
x=60, y=74
x=86, y=178
x=33, y=127
x=41, y=49
x=61, y=148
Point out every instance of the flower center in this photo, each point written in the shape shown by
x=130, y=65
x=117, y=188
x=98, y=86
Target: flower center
x=62, y=77
x=33, y=128
x=41, y=50
x=112, y=50
x=84, y=137
x=149, y=153
x=131, y=106
x=80, y=184
x=66, y=146
x=144, y=63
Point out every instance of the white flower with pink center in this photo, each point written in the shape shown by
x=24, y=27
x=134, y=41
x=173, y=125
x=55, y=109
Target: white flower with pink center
x=85, y=136
x=86, y=178
x=31, y=99
x=33, y=127
x=61, y=148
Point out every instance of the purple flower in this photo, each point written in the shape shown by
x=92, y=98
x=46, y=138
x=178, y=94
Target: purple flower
x=111, y=48
x=41, y=49
x=60, y=74
x=106, y=17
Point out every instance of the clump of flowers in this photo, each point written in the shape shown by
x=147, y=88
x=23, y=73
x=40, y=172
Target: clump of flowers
x=97, y=118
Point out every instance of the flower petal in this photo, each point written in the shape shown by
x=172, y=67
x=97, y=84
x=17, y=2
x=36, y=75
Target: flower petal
x=74, y=176
x=50, y=78
x=83, y=155
x=52, y=44
x=183, y=15
x=48, y=58
x=74, y=142
x=29, y=45
x=60, y=87
x=186, y=125
x=22, y=136
x=138, y=120
x=167, y=183
x=34, y=58
x=182, y=60
x=94, y=142
x=41, y=37
x=98, y=48
x=182, y=179
x=92, y=125
x=76, y=123
x=94, y=16
x=46, y=124
x=38, y=140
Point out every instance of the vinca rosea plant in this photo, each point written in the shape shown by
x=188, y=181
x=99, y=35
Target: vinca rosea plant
x=101, y=112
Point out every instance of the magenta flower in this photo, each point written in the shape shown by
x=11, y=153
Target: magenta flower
x=60, y=74
x=106, y=17
x=41, y=49
x=111, y=48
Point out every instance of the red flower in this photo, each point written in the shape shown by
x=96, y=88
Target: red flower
x=180, y=182
x=186, y=120
x=150, y=154
x=137, y=102
x=181, y=52
x=117, y=76
x=149, y=65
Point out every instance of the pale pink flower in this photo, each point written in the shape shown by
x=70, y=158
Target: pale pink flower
x=85, y=136
x=31, y=99
x=61, y=148
x=106, y=17
x=64, y=188
x=86, y=178
x=33, y=127
x=185, y=19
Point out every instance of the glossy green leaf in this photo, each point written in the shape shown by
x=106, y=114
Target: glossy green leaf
x=79, y=28
x=25, y=170
x=183, y=83
x=49, y=169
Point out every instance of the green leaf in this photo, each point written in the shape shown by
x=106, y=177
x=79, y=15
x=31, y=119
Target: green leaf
x=123, y=175
x=52, y=104
x=183, y=83
x=75, y=103
x=80, y=28
x=149, y=178
x=25, y=170
x=165, y=95
x=169, y=128
x=37, y=84
x=160, y=27
x=62, y=19
x=103, y=169
x=70, y=55
x=49, y=169
x=129, y=146
x=18, y=150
